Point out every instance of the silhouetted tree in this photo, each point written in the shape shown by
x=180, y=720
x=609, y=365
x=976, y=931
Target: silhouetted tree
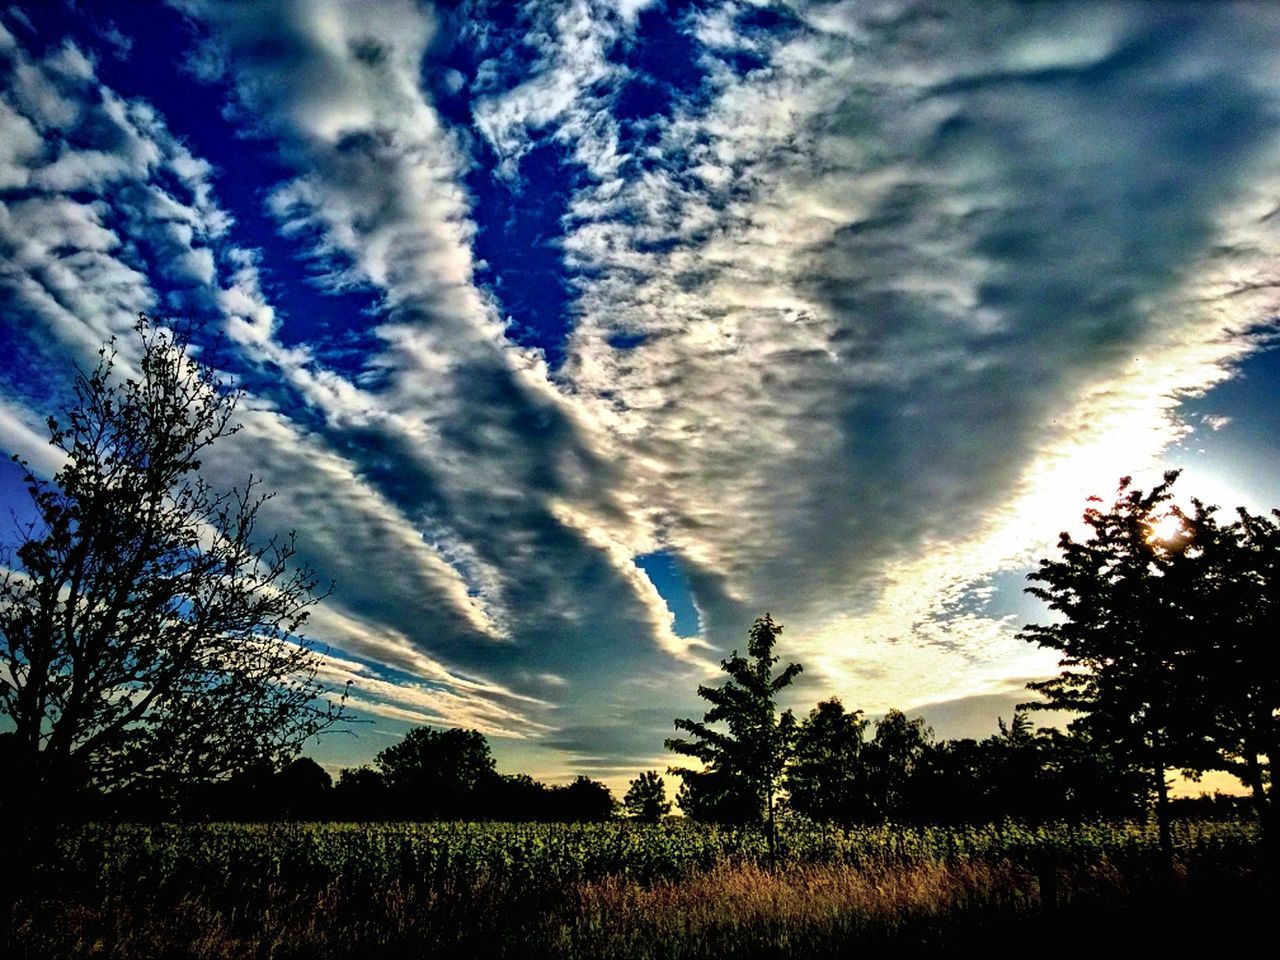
x=360, y=794
x=1232, y=585
x=148, y=634
x=302, y=790
x=437, y=774
x=583, y=801
x=749, y=759
x=1126, y=628
x=826, y=781
x=646, y=798
x=893, y=759
x=714, y=796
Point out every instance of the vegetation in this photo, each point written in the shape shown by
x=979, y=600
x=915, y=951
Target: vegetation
x=743, y=767
x=1166, y=622
x=646, y=798
x=148, y=633
x=151, y=667
x=620, y=890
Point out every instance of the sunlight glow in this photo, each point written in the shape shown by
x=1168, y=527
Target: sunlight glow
x=1165, y=529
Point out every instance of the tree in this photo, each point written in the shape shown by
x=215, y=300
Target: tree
x=646, y=798
x=894, y=758
x=749, y=759
x=360, y=794
x=437, y=774
x=148, y=635
x=1234, y=582
x=827, y=781
x=1128, y=618
x=583, y=801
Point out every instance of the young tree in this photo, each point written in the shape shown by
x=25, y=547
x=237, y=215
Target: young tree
x=646, y=798
x=148, y=634
x=751, y=755
x=1127, y=623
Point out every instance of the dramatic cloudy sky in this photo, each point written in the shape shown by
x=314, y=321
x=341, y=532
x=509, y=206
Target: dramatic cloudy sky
x=577, y=333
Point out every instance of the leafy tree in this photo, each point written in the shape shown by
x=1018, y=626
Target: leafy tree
x=1234, y=584
x=716, y=796
x=583, y=801
x=894, y=757
x=646, y=798
x=360, y=794
x=148, y=633
x=437, y=774
x=826, y=781
x=749, y=758
x=1127, y=621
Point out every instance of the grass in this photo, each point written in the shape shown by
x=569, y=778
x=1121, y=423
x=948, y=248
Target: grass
x=730, y=906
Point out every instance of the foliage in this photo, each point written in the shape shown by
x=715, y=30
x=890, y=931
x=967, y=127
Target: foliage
x=646, y=798
x=894, y=758
x=1167, y=640
x=583, y=800
x=748, y=760
x=376, y=855
x=827, y=781
x=670, y=890
x=148, y=634
x=437, y=774
x=1233, y=582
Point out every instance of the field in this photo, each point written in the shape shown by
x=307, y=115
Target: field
x=617, y=890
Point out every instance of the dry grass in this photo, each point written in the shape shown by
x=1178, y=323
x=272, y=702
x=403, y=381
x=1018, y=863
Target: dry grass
x=727, y=911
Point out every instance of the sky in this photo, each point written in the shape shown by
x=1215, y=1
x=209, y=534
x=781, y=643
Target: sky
x=577, y=334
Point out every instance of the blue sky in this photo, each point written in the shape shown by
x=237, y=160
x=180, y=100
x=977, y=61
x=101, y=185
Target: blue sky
x=577, y=334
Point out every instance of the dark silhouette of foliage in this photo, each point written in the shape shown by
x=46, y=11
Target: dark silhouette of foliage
x=360, y=794
x=749, y=759
x=717, y=796
x=827, y=781
x=582, y=801
x=1153, y=636
x=437, y=774
x=1229, y=581
x=148, y=635
x=646, y=798
x=893, y=759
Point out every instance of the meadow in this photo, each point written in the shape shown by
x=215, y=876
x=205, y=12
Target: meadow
x=623, y=890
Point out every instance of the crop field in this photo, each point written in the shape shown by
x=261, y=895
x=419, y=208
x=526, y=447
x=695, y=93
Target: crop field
x=621, y=890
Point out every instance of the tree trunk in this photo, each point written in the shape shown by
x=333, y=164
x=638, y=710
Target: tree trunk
x=772, y=835
x=1269, y=815
x=1162, y=813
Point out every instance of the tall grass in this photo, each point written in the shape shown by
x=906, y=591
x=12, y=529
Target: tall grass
x=676, y=890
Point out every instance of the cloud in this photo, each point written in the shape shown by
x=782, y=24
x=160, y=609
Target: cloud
x=127, y=209
x=859, y=317
x=895, y=302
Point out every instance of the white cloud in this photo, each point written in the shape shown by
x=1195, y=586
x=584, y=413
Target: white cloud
x=896, y=300
x=906, y=298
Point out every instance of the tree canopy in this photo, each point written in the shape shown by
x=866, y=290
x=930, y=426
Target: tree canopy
x=646, y=798
x=745, y=763
x=149, y=633
x=1166, y=623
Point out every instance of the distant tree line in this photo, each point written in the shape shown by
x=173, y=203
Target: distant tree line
x=429, y=775
x=1166, y=620
x=836, y=766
